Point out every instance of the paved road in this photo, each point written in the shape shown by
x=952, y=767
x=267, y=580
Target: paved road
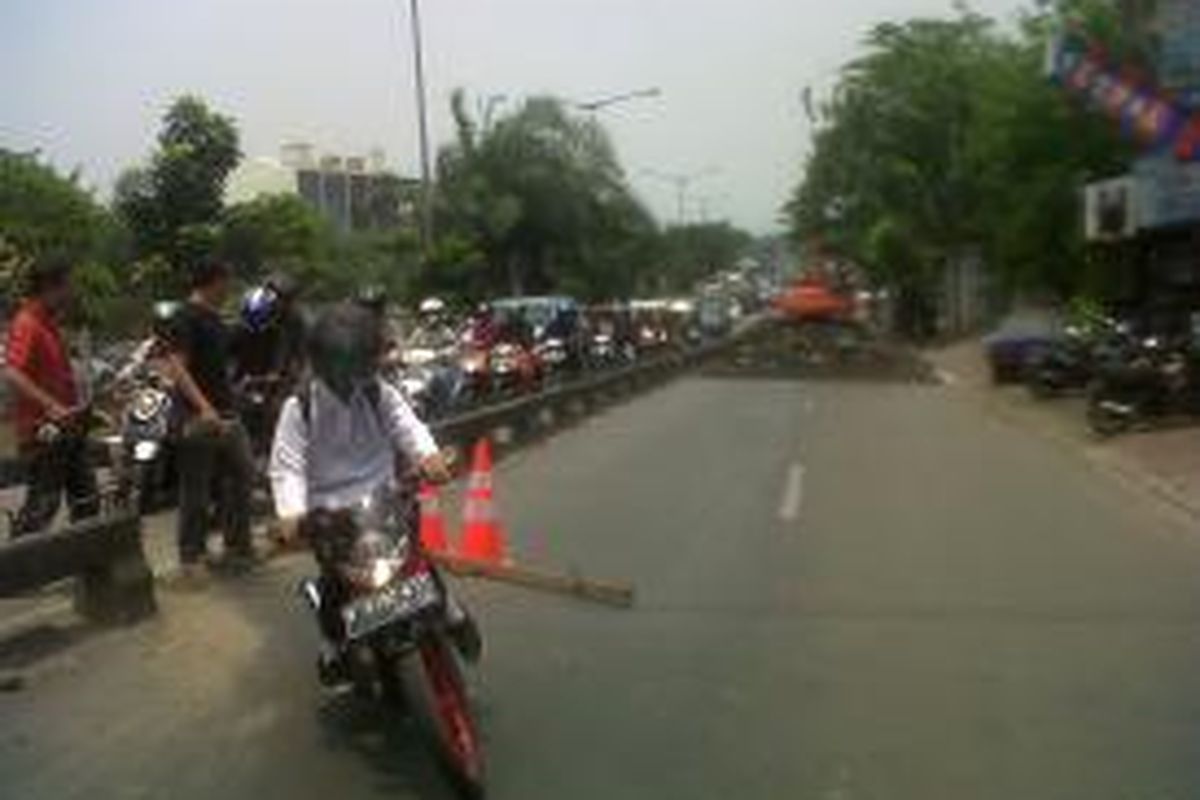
x=847, y=592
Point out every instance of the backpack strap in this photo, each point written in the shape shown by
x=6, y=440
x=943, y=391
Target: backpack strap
x=373, y=392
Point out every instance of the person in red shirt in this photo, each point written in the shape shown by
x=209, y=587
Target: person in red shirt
x=47, y=409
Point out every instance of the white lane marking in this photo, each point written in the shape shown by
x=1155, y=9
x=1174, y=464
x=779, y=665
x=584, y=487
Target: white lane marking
x=810, y=405
x=947, y=378
x=793, y=493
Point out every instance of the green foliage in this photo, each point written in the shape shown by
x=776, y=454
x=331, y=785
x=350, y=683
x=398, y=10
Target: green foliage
x=173, y=207
x=273, y=231
x=946, y=136
x=539, y=193
x=41, y=210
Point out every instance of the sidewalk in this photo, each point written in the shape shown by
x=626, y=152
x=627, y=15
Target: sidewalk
x=1165, y=462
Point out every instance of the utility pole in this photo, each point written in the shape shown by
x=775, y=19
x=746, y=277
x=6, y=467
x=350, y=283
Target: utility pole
x=426, y=228
x=682, y=181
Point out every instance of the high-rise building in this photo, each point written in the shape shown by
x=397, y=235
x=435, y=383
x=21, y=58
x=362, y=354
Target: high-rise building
x=352, y=192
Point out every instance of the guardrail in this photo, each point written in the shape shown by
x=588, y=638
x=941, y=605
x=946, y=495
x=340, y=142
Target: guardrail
x=511, y=414
x=105, y=555
x=113, y=581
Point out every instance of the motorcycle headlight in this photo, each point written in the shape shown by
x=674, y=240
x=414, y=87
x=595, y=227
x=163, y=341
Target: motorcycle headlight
x=375, y=560
x=382, y=572
x=145, y=451
x=147, y=404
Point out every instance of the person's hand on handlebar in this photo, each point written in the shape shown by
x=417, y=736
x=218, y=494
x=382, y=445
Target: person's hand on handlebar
x=438, y=467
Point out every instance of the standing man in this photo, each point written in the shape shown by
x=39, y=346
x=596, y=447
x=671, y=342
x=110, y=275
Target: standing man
x=50, y=423
x=213, y=446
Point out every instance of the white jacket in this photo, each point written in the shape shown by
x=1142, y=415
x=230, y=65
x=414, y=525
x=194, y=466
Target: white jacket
x=343, y=451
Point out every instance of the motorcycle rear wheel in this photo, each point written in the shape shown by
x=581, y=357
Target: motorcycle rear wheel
x=437, y=696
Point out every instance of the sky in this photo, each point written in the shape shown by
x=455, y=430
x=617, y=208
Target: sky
x=86, y=81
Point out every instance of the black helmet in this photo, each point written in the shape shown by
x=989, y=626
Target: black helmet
x=372, y=297
x=343, y=347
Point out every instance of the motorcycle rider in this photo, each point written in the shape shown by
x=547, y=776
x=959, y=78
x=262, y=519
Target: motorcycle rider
x=482, y=331
x=373, y=298
x=343, y=434
x=291, y=324
x=267, y=359
x=433, y=325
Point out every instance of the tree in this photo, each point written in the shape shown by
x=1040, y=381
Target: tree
x=42, y=211
x=540, y=194
x=945, y=137
x=273, y=231
x=173, y=206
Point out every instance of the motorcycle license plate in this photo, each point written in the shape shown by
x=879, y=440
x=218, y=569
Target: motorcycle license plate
x=395, y=603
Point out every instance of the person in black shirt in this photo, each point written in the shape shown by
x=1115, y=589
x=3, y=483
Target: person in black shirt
x=213, y=443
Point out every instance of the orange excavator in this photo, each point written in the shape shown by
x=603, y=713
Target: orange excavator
x=813, y=299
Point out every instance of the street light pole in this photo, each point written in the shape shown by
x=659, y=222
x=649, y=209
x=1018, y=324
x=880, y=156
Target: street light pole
x=593, y=106
x=414, y=16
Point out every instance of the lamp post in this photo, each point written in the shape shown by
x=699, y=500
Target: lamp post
x=593, y=106
x=426, y=227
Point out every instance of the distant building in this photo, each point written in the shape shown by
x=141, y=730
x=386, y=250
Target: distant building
x=353, y=192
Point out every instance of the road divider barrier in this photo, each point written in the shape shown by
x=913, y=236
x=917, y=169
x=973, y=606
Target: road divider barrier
x=113, y=582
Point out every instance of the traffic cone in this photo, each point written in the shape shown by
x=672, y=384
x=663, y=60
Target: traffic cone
x=482, y=538
x=433, y=527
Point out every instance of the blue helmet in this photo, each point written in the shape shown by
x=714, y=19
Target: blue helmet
x=258, y=308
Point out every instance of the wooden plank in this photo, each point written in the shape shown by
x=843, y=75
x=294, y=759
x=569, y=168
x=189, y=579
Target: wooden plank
x=618, y=594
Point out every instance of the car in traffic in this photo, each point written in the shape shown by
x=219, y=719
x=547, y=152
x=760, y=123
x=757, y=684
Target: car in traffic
x=1018, y=340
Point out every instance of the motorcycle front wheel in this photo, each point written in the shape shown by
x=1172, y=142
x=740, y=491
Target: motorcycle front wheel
x=1105, y=422
x=434, y=689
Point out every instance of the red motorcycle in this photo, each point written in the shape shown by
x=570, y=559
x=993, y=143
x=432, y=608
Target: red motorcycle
x=386, y=607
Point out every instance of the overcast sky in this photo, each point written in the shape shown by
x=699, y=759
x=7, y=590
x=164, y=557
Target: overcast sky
x=86, y=80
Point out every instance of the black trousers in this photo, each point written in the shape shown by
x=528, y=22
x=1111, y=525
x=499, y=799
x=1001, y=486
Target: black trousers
x=56, y=468
x=209, y=459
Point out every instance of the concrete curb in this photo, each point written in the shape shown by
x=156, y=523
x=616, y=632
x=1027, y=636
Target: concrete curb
x=1104, y=461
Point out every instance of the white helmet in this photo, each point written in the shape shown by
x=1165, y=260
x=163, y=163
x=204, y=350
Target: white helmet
x=432, y=305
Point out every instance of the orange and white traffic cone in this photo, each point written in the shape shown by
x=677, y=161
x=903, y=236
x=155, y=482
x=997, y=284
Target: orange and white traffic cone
x=433, y=527
x=482, y=538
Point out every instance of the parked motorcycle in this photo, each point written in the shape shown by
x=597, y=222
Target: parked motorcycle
x=145, y=461
x=1071, y=364
x=1154, y=381
x=385, y=606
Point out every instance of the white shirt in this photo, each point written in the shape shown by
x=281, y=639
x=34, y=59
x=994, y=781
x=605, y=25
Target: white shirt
x=344, y=451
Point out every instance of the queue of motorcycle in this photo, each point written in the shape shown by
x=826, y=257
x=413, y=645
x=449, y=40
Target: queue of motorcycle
x=1072, y=363
x=1131, y=379
x=1157, y=380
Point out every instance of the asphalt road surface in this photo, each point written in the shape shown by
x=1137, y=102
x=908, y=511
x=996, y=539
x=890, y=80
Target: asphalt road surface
x=847, y=591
